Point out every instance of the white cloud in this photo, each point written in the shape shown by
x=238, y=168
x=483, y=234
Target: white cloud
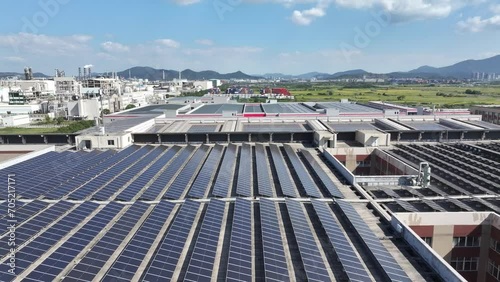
x=206, y=42
x=477, y=24
x=44, y=44
x=112, y=47
x=307, y=16
x=14, y=59
x=495, y=8
x=170, y=43
x=186, y=2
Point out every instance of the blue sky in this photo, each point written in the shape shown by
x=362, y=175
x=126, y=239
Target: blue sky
x=254, y=36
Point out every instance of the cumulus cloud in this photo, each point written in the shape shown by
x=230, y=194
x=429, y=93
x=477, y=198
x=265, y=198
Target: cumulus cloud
x=170, y=43
x=307, y=16
x=44, y=44
x=206, y=42
x=477, y=24
x=112, y=47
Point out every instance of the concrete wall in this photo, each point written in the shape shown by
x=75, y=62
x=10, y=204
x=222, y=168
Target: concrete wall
x=351, y=179
x=403, y=168
x=376, y=180
x=101, y=141
x=437, y=263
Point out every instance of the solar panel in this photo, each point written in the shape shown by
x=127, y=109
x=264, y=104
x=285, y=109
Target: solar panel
x=273, y=127
x=345, y=251
x=90, y=265
x=132, y=190
x=383, y=257
x=203, y=128
x=407, y=206
x=23, y=213
x=27, y=255
x=28, y=229
x=224, y=180
x=275, y=266
x=201, y=265
x=244, y=182
x=164, y=263
x=202, y=181
x=166, y=176
x=128, y=174
x=127, y=264
x=434, y=205
x=180, y=185
x=239, y=267
x=304, y=177
x=390, y=192
x=96, y=183
x=321, y=174
x=284, y=177
x=50, y=268
x=263, y=170
x=314, y=266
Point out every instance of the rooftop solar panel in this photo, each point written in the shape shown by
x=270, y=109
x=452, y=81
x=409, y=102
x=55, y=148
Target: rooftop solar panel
x=314, y=266
x=203, y=128
x=305, y=179
x=204, y=255
x=351, y=262
x=165, y=260
x=202, y=181
x=244, y=181
x=284, y=177
x=389, y=265
x=223, y=183
x=128, y=262
x=239, y=267
x=321, y=174
x=180, y=185
x=263, y=170
x=275, y=265
x=273, y=127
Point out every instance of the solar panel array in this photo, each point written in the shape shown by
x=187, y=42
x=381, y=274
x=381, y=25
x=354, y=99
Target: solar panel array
x=168, y=213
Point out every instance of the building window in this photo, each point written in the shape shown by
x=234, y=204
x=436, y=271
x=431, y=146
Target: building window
x=495, y=245
x=493, y=270
x=111, y=142
x=427, y=240
x=464, y=264
x=466, y=241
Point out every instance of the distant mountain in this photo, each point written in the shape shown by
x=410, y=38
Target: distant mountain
x=21, y=75
x=347, y=74
x=157, y=74
x=463, y=69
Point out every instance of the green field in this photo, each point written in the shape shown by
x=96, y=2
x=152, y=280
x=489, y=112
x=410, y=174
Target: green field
x=413, y=95
x=69, y=127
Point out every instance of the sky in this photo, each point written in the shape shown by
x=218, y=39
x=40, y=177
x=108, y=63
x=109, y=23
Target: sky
x=253, y=36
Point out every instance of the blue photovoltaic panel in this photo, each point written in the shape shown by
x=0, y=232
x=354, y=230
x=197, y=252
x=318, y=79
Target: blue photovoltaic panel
x=275, y=265
x=127, y=174
x=223, y=182
x=127, y=264
x=203, y=180
x=90, y=265
x=239, y=267
x=35, y=224
x=304, y=177
x=132, y=190
x=204, y=254
x=83, y=177
x=244, y=181
x=96, y=183
x=52, y=266
x=263, y=170
x=27, y=255
x=166, y=176
x=314, y=265
x=23, y=213
x=165, y=260
x=347, y=255
x=321, y=174
x=384, y=258
x=284, y=177
x=407, y=206
x=180, y=184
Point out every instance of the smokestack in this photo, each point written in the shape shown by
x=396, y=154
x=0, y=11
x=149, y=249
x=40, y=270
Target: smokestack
x=84, y=73
x=90, y=72
x=26, y=74
x=79, y=74
x=30, y=74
